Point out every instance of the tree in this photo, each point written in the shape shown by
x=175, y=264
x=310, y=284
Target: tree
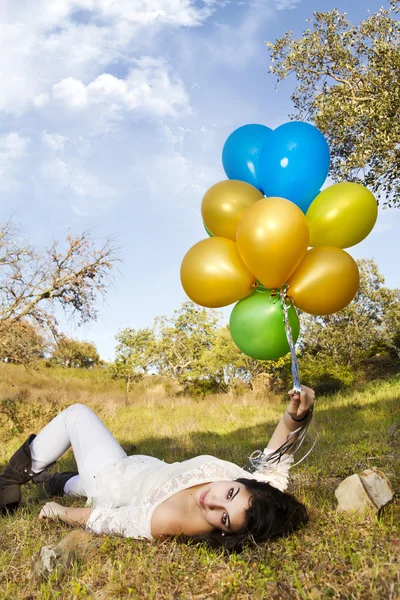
x=21, y=342
x=348, y=85
x=175, y=347
x=34, y=283
x=182, y=342
x=74, y=353
x=135, y=354
x=193, y=349
x=232, y=368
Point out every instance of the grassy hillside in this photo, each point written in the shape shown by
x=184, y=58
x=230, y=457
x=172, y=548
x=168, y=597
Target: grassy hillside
x=335, y=556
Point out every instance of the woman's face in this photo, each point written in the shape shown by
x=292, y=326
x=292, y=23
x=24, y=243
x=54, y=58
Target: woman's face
x=223, y=504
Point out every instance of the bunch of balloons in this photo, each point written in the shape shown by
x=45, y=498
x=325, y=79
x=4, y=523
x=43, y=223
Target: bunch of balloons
x=271, y=228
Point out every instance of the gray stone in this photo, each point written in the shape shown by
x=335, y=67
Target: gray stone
x=377, y=486
x=49, y=559
x=59, y=557
x=352, y=497
x=364, y=493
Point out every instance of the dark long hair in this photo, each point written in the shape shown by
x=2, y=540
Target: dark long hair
x=271, y=514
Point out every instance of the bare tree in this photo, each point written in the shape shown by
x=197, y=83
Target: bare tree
x=34, y=283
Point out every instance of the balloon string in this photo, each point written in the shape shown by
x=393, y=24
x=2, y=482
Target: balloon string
x=286, y=304
x=259, y=461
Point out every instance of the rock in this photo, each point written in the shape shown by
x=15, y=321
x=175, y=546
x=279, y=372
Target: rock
x=364, y=493
x=49, y=559
x=377, y=486
x=351, y=496
x=76, y=544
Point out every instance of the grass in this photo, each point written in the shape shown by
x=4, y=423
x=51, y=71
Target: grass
x=335, y=556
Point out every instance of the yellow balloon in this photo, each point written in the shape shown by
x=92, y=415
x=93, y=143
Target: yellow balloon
x=272, y=239
x=213, y=274
x=224, y=204
x=342, y=215
x=325, y=282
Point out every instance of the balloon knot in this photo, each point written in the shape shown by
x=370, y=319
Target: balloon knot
x=285, y=297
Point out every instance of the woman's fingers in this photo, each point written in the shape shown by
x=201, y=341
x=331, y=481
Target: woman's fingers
x=294, y=396
x=310, y=396
x=49, y=511
x=45, y=512
x=301, y=403
x=306, y=392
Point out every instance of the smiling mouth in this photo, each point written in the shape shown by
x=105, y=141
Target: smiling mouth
x=202, y=498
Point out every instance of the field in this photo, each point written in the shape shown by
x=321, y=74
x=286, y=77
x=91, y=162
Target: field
x=335, y=556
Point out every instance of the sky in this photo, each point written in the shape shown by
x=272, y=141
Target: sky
x=113, y=115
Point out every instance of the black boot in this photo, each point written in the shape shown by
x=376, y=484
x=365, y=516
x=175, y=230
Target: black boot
x=17, y=472
x=53, y=485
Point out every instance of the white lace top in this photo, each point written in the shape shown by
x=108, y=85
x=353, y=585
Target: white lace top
x=129, y=490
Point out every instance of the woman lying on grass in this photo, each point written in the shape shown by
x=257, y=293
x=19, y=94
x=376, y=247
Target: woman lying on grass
x=142, y=497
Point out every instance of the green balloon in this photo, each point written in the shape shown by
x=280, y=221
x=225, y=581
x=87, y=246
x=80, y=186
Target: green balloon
x=208, y=231
x=258, y=328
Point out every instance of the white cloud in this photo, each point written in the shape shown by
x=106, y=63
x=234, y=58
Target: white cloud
x=274, y=4
x=180, y=168
x=71, y=92
x=148, y=165
x=233, y=42
x=45, y=42
x=13, y=147
x=77, y=185
x=55, y=141
x=149, y=87
x=47, y=14
x=54, y=175
x=177, y=12
x=285, y=4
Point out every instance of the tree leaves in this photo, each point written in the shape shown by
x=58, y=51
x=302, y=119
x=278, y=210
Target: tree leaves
x=370, y=324
x=348, y=86
x=74, y=353
x=193, y=348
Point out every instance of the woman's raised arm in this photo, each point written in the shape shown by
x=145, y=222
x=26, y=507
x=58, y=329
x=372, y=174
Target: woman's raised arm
x=298, y=412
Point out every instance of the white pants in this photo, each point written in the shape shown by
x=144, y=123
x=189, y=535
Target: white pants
x=93, y=446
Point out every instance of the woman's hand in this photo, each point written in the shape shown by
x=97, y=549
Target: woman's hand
x=300, y=404
x=297, y=415
x=52, y=511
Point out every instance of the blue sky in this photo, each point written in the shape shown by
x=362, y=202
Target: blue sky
x=113, y=114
